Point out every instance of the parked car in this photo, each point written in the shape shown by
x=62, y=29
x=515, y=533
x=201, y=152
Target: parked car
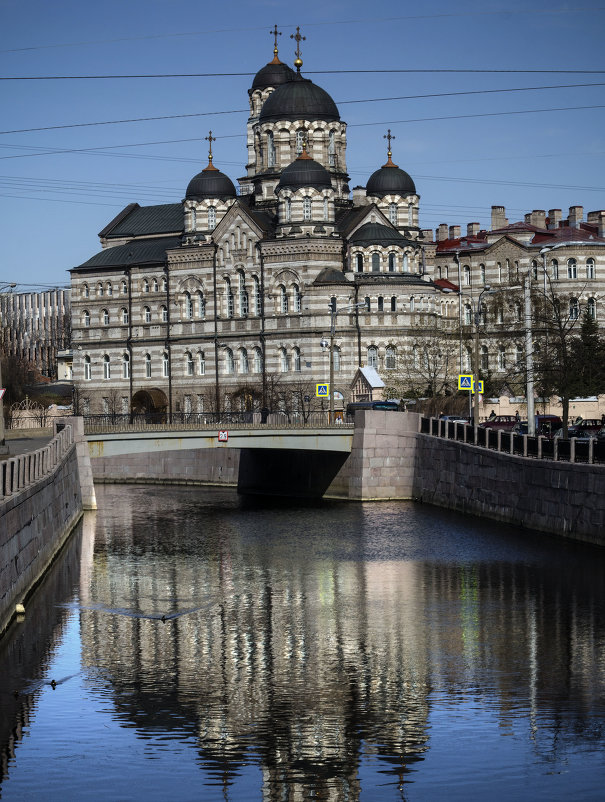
x=546, y=426
x=504, y=422
x=585, y=428
x=456, y=418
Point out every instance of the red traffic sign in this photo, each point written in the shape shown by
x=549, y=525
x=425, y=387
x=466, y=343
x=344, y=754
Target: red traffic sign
x=223, y=436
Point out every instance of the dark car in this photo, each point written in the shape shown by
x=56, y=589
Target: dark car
x=589, y=427
x=504, y=422
x=546, y=426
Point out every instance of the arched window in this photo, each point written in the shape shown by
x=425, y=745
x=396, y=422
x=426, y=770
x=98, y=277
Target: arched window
x=406, y=263
x=165, y=364
x=188, y=306
x=164, y=314
x=211, y=218
x=85, y=291
x=332, y=304
x=193, y=211
x=499, y=269
x=243, y=361
x=482, y=274
x=147, y=314
x=87, y=369
x=284, y=364
x=412, y=304
x=229, y=361
x=534, y=269
x=243, y=295
x=307, y=207
x=155, y=285
x=258, y=360
x=591, y=309
x=189, y=371
x=468, y=315
x=332, y=149
x=375, y=262
x=287, y=210
x=296, y=363
x=554, y=265
x=229, y=298
x=125, y=366
x=283, y=300
x=392, y=263
x=270, y=150
x=501, y=358
x=410, y=215
x=519, y=359
x=105, y=316
x=300, y=140
x=297, y=298
x=86, y=318
x=326, y=209
x=124, y=313
x=484, y=358
x=100, y=290
x=359, y=262
x=257, y=298
x=124, y=288
x=380, y=303
x=390, y=359
x=590, y=271
x=466, y=275
x=201, y=363
x=367, y=303
x=147, y=366
x=336, y=358
x=393, y=213
x=372, y=357
x=393, y=303
x=164, y=284
x=201, y=305
x=106, y=367
x=145, y=285
x=109, y=289
x=574, y=309
x=572, y=268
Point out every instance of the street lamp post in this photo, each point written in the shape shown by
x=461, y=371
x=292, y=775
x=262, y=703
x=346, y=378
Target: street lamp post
x=3, y=447
x=477, y=317
x=529, y=358
x=333, y=314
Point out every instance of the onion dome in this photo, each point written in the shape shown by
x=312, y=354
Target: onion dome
x=299, y=99
x=390, y=179
x=275, y=73
x=210, y=183
x=304, y=172
x=376, y=234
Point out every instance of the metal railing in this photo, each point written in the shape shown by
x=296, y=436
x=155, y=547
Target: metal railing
x=192, y=421
x=22, y=471
x=574, y=450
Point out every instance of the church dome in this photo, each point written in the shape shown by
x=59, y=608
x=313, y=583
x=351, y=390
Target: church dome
x=299, y=99
x=304, y=172
x=210, y=183
x=275, y=73
x=390, y=180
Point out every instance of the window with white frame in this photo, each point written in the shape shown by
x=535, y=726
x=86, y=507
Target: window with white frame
x=145, y=285
x=258, y=360
x=466, y=275
x=284, y=362
x=201, y=363
x=257, y=298
x=372, y=357
x=229, y=298
x=326, y=209
x=100, y=291
x=297, y=298
x=164, y=314
x=86, y=318
x=484, y=358
x=165, y=364
x=124, y=288
x=109, y=289
x=147, y=314
x=125, y=366
x=243, y=361
x=412, y=304
x=482, y=274
x=574, y=309
x=147, y=366
x=164, y=285
x=124, y=313
x=243, y=296
x=590, y=269
x=106, y=367
x=405, y=265
x=201, y=305
x=86, y=291
x=283, y=300
x=501, y=358
x=572, y=268
x=336, y=358
x=499, y=271
x=189, y=366
x=468, y=315
x=554, y=267
x=188, y=306
x=155, y=285
x=591, y=308
x=519, y=356
x=296, y=363
x=390, y=358
x=87, y=369
x=105, y=317
x=229, y=361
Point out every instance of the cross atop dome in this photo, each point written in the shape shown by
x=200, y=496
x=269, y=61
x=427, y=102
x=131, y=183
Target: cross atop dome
x=275, y=33
x=210, y=139
x=298, y=38
x=388, y=136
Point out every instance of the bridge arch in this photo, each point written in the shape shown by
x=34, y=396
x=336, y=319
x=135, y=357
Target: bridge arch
x=151, y=402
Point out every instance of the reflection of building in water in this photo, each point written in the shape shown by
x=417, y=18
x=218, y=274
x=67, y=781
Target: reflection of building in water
x=308, y=662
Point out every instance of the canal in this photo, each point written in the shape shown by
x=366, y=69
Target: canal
x=190, y=644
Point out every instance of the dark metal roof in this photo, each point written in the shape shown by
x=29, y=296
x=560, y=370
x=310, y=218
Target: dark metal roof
x=275, y=73
x=305, y=172
x=331, y=275
x=141, y=221
x=137, y=252
x=299, y=99
x=377, y=234
x=210, y=183
x=390, y=180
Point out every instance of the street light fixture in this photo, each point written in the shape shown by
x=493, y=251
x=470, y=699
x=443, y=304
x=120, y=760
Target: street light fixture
x=477, y=319
x=334, y=312
x=3, y=448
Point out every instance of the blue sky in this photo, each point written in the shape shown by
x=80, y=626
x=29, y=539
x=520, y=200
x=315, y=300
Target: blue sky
x=54, y=203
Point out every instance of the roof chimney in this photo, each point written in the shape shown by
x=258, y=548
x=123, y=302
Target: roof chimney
x=538, y=218
x=359, y=196
x=427, y=234
x=454, y=232
x=441, y=232
x=576, y=214
x=472, y=229
x=554, y=218
x=499, y=217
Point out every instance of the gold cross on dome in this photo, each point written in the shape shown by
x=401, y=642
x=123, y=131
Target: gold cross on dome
x=275, y=33
x=210, y=139
x=389, y=137
x=298, y=38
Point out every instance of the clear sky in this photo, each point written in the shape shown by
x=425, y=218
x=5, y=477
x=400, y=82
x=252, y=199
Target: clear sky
x=60, y=185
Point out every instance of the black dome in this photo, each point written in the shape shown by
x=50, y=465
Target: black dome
x=299, y=99
x=390, y=180
x=210, y=183
x=304, y=172
x=275, y=73
x=376, y=234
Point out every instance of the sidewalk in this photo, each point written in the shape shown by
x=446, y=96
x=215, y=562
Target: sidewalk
x=20, y=441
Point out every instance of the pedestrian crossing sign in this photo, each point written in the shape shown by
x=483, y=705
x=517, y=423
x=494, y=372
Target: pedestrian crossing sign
x=478, y=387
x=465, y=381
x=322, y=390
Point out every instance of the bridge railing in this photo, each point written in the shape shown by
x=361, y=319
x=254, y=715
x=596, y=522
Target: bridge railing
x=591, y=452
x=191, y=421
x=24, y=470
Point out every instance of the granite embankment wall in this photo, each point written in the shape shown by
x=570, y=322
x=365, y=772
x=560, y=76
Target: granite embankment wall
x=212, y=466
x=42, y=495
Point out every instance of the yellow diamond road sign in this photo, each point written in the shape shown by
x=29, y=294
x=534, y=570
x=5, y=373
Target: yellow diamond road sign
x=322, y=390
